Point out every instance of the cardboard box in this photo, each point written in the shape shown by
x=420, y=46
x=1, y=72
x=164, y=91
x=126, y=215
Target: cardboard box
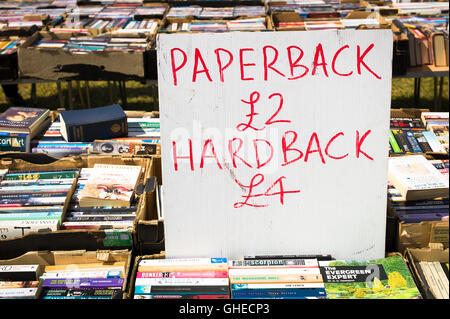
x=74, y=239
x=73, y=257
x=288, y=16
x=435, y=252
x=58, y=64
x=132, y=281
x=149, y=228
x=420, y=235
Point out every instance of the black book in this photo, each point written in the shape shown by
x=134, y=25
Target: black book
x=90, y=124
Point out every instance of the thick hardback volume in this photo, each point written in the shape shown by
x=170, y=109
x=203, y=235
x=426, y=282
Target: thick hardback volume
x=90, y=124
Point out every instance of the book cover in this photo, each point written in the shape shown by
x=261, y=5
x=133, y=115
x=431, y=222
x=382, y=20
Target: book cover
x=22, y=119
x=110, y=185
x=386, y=278
x=416, y=178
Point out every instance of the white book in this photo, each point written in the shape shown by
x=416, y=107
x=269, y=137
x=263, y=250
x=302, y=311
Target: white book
x=416, y=178
x=16, y=228
x=182, y=282
x=18, y=268
x=182, y=262
x=433, y=141
x=86, y=273
x=18, y=293
x=442, y=277
x=437, y=278
x=310, y=285
x=430, y=279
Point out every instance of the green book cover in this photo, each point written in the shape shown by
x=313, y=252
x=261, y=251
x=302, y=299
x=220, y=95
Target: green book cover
x=394, y=144
x=386, y=278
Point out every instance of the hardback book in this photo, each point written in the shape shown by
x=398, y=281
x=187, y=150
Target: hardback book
x=416, y=178
x=110, y=185
x=24, y=120
x=88, y=125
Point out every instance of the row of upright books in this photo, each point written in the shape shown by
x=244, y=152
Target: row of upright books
x=274, y=277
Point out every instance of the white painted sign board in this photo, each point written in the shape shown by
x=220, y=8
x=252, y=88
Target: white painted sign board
x=275, y=143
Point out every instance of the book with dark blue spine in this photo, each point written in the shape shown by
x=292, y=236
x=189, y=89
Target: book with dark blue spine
x=90, y=124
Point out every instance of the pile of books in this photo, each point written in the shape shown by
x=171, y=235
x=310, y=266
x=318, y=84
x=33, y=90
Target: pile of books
x=276, y=279
x=436, y=277
x=84, y=281
x=87, y=44
x=97, y=217
x=418, y=191
x=19, y=125
x=194, y=278
x=9, y=46
x=104, y=198
x=143, y=138
x=32, y=201
x=19, y=281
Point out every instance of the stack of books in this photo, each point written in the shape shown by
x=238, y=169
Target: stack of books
x=250, y=24
x=194, y=278
x=418, y=191
x=9, y=46
x=276, y=279
x=110, y=186
x=103, y=217
x=143, y=139
x=84, y=281
x=32, y=201
x=19, y=281
x=437, y=122
x=249, y=11
x=87, y=44
x=19, y=125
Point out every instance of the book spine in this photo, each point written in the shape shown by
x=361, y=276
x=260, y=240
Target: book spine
x=272, y=271
x=312, y=278
x=393, y=143
x=277, y=286
x=162, y=296
x=422, y=142
x=278, y=293
x=182, y=262
x=215, y=290
x=402, y=141
x=274, y=263
x=183, y=274
x=412, y=141
x=83, y=283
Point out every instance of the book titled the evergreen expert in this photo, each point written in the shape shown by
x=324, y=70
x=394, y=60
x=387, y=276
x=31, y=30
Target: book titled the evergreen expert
x=90, y=124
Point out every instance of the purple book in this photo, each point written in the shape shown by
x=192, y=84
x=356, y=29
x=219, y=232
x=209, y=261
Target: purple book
x=83, y=283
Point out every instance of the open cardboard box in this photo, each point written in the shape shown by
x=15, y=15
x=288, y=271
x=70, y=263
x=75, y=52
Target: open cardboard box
x=73, y=239
x=58, y=64
x=150, y=228
x=133, y=272
x=73, y=257
x=435, y=252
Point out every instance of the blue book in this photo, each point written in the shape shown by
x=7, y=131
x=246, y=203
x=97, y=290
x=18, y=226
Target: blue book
x=98, y=123
x=279, y=293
